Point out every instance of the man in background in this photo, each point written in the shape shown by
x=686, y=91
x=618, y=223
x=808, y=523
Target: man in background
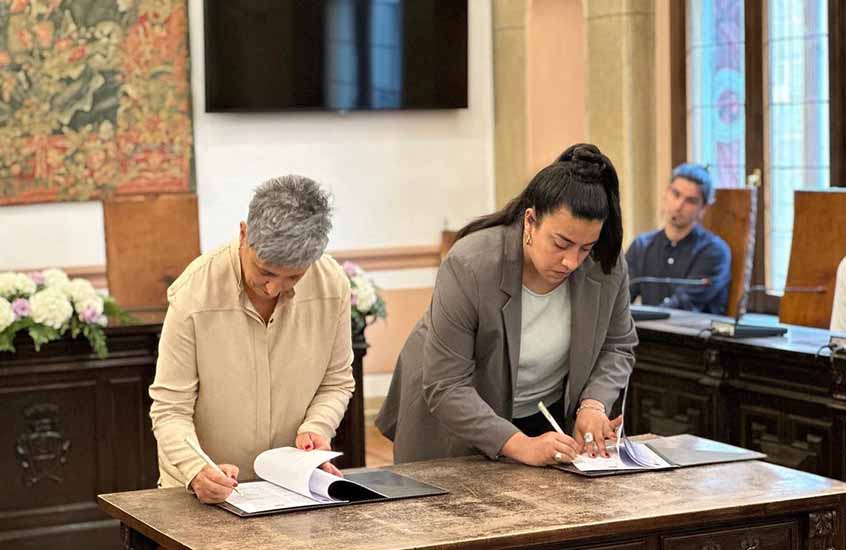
x=682, y=249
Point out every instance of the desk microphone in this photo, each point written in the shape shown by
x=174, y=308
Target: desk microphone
x=642, y=314
x=738, y=330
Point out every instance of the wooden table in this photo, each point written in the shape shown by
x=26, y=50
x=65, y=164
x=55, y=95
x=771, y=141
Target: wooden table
x=739, y=506
x=774, y=395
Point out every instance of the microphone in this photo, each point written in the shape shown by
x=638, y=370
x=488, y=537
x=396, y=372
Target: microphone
x=652, y=313
x=738, y=330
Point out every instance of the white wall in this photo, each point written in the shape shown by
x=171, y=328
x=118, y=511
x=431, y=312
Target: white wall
x=396, y=176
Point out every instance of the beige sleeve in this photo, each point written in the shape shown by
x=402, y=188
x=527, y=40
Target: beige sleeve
x=174, y=392
x=327, y=408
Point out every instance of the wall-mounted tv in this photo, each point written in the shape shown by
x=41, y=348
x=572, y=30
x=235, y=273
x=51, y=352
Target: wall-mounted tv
x=338, y=55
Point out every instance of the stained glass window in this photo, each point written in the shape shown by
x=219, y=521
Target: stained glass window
x=716, y=88
x=796, y=114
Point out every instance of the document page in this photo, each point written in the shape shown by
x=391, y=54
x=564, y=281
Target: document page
x=262, y=496
x=291, y=468
x=635, y=456
x=587, y=464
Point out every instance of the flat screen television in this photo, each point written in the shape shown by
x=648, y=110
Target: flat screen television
x=338, y=55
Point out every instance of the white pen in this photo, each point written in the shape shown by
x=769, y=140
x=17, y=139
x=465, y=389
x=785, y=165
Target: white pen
x=549, y=417
x=202, y=454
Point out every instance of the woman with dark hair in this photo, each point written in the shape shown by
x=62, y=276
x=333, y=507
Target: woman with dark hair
x=531, y=304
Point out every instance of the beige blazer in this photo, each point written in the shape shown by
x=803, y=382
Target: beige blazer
x=242, y=386
x=451, y=392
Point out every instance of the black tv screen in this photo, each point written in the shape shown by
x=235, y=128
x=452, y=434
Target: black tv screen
x=270, y=55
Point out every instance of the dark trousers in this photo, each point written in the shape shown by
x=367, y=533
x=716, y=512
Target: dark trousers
x=537, y=424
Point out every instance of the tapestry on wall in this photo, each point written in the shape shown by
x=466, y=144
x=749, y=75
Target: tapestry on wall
x=94, y=99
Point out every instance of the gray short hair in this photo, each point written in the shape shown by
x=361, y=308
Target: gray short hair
x=289, y=221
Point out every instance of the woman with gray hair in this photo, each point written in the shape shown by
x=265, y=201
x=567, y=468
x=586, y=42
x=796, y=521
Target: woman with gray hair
x=255, y=351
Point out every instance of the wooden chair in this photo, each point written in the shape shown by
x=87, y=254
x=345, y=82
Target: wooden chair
x=732, y=218
x=819, y=243
x=150, y=239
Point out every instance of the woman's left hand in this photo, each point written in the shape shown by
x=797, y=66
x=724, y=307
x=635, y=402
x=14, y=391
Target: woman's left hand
x=592, y=420
x=309, y=441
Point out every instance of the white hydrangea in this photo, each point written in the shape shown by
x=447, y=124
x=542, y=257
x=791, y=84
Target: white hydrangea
x=7, y=284
x=50, y=307
x=365, y=294
x=90, y=309
x=24, y=285
x=55, y=278
x=16, y=284
x=81, y=290
x=6, y=315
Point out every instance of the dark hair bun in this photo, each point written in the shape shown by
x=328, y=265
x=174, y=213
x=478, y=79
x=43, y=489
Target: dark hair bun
x=589, y=160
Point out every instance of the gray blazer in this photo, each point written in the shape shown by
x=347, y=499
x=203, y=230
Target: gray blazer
x=451, y=392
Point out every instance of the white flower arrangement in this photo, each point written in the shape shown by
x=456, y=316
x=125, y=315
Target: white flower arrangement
x=366, y=304
x=48, y=304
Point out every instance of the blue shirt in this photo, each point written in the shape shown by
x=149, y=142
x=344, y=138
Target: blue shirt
x=700, y=254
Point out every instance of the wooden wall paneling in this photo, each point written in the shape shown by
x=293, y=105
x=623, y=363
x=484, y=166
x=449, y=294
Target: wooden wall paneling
x=775, y=395
x=386, y=338
x=150, y=239
x=678, y=82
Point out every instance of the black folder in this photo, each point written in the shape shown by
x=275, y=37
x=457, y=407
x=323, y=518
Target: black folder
x=371, y=485
x=680, y=451
x=648, y=313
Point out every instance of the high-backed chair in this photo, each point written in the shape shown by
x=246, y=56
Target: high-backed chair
x=150, y=239
x=732, y=218
x=819, y=243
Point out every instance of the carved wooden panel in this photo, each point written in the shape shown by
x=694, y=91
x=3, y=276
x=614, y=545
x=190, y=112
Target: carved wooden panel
x=788, y=439
x=778, y=536
x=663, y=406
x=48, y=451
x=74, y=426
x=628, y=545
x=822, y=527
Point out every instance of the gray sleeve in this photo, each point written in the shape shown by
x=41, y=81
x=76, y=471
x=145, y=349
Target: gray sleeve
x=449, y=362
x=610, y=373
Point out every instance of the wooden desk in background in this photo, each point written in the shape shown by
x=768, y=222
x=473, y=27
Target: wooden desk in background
x=75, y=426
x=773, y=395
x=738, y=506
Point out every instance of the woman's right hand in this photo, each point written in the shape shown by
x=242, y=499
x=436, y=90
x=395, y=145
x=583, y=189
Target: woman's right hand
x=211, y=486
x=540, y=450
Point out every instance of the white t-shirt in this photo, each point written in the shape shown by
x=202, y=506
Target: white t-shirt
x=544, y=349
x=838, y=311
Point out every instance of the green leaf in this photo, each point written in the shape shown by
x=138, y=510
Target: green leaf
x=97, y=338
x=6, y=338
x=75, y=326
x=41, y=334
x=114, y=311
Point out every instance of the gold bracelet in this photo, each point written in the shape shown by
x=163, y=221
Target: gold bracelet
x=600, y=408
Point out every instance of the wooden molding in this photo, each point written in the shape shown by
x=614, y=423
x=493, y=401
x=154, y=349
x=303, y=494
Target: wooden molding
x=96, y=274
x=371, y=259
x=388, y=258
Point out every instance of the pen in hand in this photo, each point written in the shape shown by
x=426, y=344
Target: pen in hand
x=197, y=449
x=549, y=417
